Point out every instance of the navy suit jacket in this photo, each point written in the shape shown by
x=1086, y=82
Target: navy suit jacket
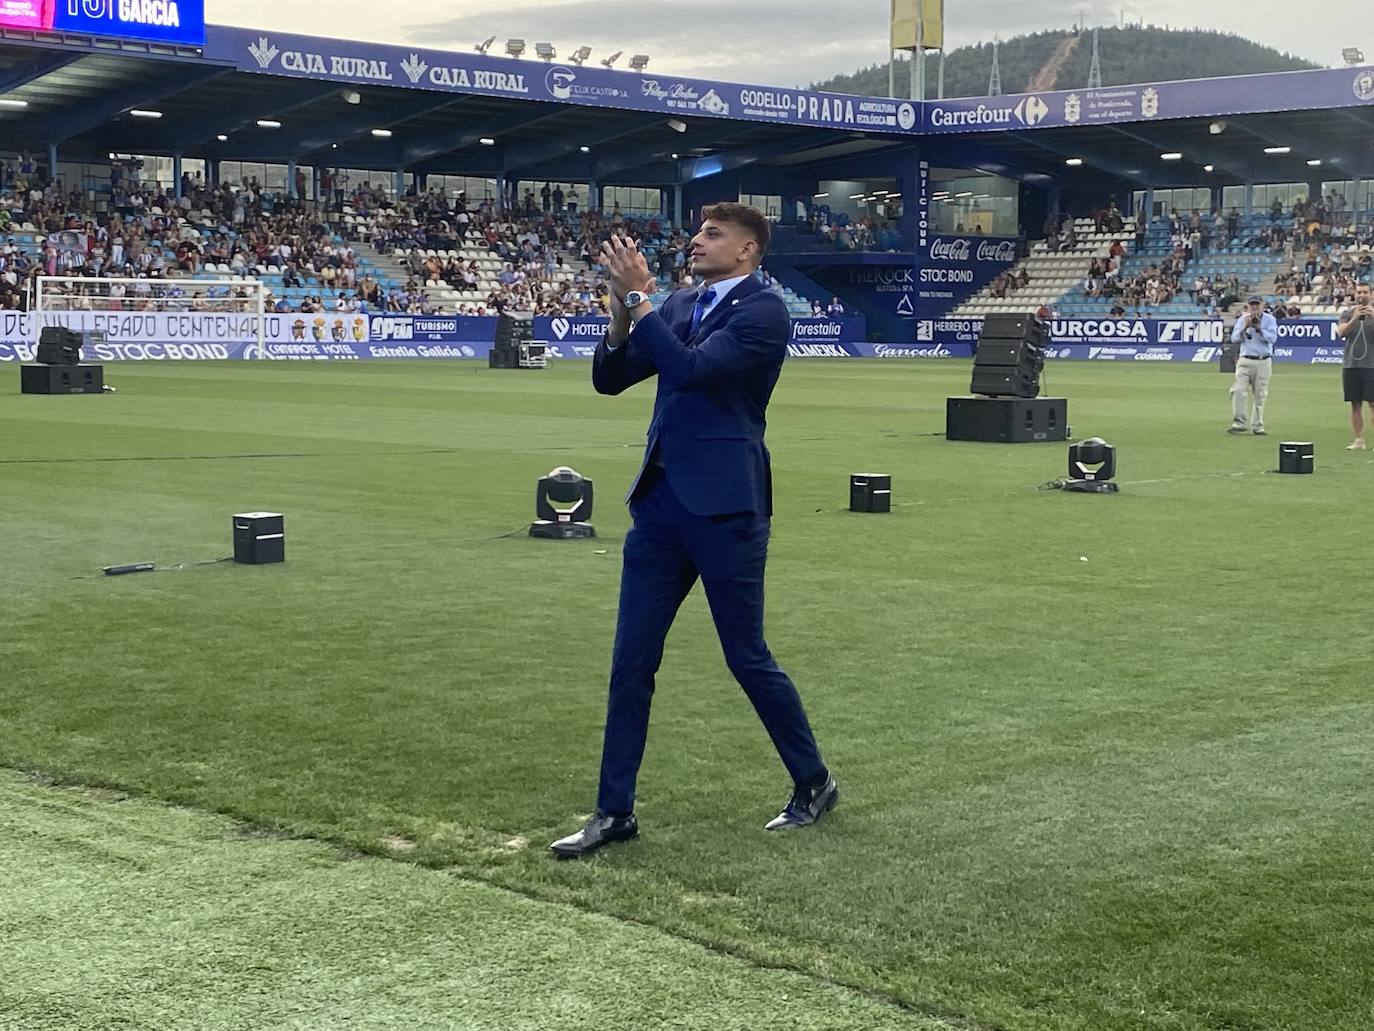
x=713, y=390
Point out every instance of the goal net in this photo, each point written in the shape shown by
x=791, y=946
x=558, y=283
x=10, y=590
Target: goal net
x=53, y=294
x=66, y=300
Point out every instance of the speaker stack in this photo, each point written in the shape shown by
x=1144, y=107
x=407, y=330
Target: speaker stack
x=1008, y=407
x=1009, y=357
x=59, y=369
x=515, y=346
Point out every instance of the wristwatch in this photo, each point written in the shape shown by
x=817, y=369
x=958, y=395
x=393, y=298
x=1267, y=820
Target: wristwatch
x=634, y=299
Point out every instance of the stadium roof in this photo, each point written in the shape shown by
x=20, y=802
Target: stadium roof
x=439, y=107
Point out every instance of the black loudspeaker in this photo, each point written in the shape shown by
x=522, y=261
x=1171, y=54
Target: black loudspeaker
x=1005, y=381
x=1296, y=456
x=515, y=346
x=1007, y=420
x=870, y=492
x=1013, y=327
x=62, y=379
x=259, y=538
x=1009, y=357
x=58, y=345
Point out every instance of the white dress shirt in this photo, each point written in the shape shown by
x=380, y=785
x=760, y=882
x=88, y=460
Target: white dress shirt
x=722, y=288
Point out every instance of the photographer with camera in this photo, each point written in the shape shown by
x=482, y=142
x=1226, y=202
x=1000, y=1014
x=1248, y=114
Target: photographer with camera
x=1256, y=331
x=1356, y=328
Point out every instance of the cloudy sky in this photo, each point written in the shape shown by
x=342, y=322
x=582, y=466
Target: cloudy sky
x=774, y=42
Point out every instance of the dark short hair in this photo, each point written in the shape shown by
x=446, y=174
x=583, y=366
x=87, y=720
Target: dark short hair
x=749, y=219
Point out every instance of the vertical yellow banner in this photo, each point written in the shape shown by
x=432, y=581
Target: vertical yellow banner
x=904, y=16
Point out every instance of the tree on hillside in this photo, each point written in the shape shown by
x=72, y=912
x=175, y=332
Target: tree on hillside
x=1134, y=54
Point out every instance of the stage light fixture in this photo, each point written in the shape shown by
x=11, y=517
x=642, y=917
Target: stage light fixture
x=563, y=506
x=485, y=45
x=580, y=55
x=545, y=51
x=639, y=62
x=1092, y=464
x=515, y=47
x=607, y=62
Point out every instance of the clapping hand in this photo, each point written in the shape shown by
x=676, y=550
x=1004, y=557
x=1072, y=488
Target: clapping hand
x=626, y=266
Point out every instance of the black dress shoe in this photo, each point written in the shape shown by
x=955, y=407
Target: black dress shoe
x=601, y=829
x=806, y=806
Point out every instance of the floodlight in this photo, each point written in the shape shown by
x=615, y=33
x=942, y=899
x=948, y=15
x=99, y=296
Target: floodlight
x=1314, y=162
x=268, y=123
x=222, y=138
x=1172, y=155
x=677, y=125
x=639, y=62
x=1278, y=150
x=485, y=45
x=14, y=103
x=487, y=141
x=351, y=96
x=1217, y=128
x=580, y=54
x=515, y=47
x=1209, y=168
x=141, y=113
x=545, y=51
x=1092, y=464
x=585, y=149
x=606, y=62
x=563, y=506
x=382, y=134
x=1352, y=55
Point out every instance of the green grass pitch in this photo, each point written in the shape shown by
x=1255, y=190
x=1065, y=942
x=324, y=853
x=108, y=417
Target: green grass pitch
x=1105, y=760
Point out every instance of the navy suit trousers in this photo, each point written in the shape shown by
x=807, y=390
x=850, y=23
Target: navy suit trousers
x=665, y=552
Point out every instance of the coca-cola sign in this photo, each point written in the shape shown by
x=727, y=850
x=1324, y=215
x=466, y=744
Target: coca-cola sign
x=965, y=251
x=996, y=250
x=949, y=250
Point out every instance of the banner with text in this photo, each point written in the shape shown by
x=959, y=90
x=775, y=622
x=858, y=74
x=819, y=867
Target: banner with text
x=1193, y=98
x=341, y=60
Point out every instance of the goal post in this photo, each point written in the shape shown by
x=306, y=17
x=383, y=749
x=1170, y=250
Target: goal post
x=56, y=296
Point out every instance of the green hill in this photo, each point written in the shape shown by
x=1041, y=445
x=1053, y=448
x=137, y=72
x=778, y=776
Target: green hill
x=1134, y=54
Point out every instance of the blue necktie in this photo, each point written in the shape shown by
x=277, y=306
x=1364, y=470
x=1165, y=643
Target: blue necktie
x=703, y=302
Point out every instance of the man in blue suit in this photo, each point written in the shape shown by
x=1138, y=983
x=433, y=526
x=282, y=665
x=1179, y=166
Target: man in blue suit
x=701, y=503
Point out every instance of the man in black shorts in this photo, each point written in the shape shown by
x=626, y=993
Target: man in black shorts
x=1356, y=328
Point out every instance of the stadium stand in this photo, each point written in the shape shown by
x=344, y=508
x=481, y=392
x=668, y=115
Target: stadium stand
x=423, y=253
x=1306, y=258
